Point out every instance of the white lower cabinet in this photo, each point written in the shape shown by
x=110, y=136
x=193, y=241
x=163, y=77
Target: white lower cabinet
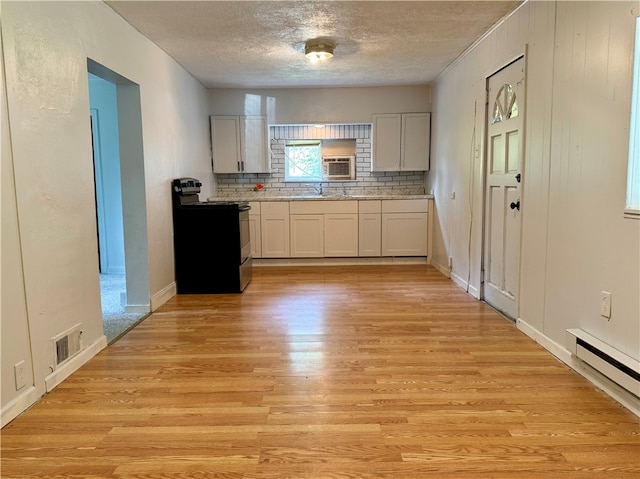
x=255, y=229
x=274, y=225
x=324, y=229
x=345, y=228
x=340, y=234
x=404, y=227
x=369, y=228
x=307, y=236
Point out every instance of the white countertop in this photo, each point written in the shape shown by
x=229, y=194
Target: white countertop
x=261, y=197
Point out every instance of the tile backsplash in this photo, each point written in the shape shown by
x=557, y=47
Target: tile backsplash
x=366, y=182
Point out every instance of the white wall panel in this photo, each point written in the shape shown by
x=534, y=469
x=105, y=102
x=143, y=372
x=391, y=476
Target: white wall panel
x=575, y=240
x=591, y=247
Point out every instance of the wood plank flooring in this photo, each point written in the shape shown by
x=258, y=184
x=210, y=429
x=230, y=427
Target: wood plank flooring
x=325, y=372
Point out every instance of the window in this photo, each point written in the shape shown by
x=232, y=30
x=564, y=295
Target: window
x=303, y=160
x=633, y=176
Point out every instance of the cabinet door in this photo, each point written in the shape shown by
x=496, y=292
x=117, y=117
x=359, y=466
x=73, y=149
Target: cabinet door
x=414, y=150
x=306, y=236
x=369, y=234
x=254, y=137
x=386, y=142
x=275, y=237
x=274, y=225
x=256, y=236
x=225, y=144
x=404, y=234
x=340, y=234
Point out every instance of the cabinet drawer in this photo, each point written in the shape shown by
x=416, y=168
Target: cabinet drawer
x=322, y=207
x=369, y=206
x=255, y=207
x=405, y=206
x=274, y=208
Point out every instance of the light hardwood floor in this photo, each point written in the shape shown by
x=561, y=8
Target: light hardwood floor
x=325, y=372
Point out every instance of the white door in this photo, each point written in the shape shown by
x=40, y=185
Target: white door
x=505, y=128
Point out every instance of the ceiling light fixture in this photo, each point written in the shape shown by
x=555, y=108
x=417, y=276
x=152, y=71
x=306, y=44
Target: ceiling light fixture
x=318, y=50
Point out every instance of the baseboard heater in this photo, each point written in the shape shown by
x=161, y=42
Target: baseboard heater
x=617, y=366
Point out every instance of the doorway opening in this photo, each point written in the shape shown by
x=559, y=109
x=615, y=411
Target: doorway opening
x=116, y=129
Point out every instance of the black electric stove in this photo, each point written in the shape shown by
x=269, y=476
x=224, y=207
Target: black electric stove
x=212, y=245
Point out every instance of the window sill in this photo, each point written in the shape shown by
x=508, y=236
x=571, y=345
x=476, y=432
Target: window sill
x=632, y=214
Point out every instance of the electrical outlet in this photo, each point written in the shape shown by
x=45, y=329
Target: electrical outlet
x=605, y=304
x=18, y=370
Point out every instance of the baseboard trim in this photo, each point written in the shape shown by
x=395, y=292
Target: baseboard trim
x=443, y=269
x=600, y=381
x=462, y=283
x=136, y=308
x=64, y=371
x=18, y=405
x=164, y=295
x=338, y=261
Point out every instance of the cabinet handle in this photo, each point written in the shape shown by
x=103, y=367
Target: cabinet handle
x=239, y=167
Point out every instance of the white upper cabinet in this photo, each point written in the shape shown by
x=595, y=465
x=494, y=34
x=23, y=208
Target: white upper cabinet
x=414, y=150
x=387, y=131
x=401, y=141
x=225, y=144
x=239, y=144
x=254, y=144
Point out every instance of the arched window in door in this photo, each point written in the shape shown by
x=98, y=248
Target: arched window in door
x=505, y=105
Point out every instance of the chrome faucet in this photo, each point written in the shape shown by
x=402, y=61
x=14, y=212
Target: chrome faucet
x=317, y=187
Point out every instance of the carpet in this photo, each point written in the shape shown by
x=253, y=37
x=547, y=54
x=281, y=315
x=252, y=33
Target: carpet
x=116, y=322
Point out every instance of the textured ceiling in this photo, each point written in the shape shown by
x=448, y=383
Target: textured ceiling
x=261, y=44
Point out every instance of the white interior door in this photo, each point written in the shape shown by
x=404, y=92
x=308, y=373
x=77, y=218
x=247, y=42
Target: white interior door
x=505, y=128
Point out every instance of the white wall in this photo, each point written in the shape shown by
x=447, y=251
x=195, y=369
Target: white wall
x=46, y=46
x=320, y=105
x=575, y=241
x=14, y=328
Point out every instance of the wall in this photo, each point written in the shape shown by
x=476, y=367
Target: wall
x=53, y=245
x=320, y=105
x=575, y=241
x=14, y=328
x=366, y=182
x=299, y=106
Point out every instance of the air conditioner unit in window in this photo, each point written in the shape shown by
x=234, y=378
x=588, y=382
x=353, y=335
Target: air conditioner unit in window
x=338, y=167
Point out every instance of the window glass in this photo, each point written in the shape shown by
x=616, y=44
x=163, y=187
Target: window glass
x=633, y=175
x=505, y=104
x=303, y=160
